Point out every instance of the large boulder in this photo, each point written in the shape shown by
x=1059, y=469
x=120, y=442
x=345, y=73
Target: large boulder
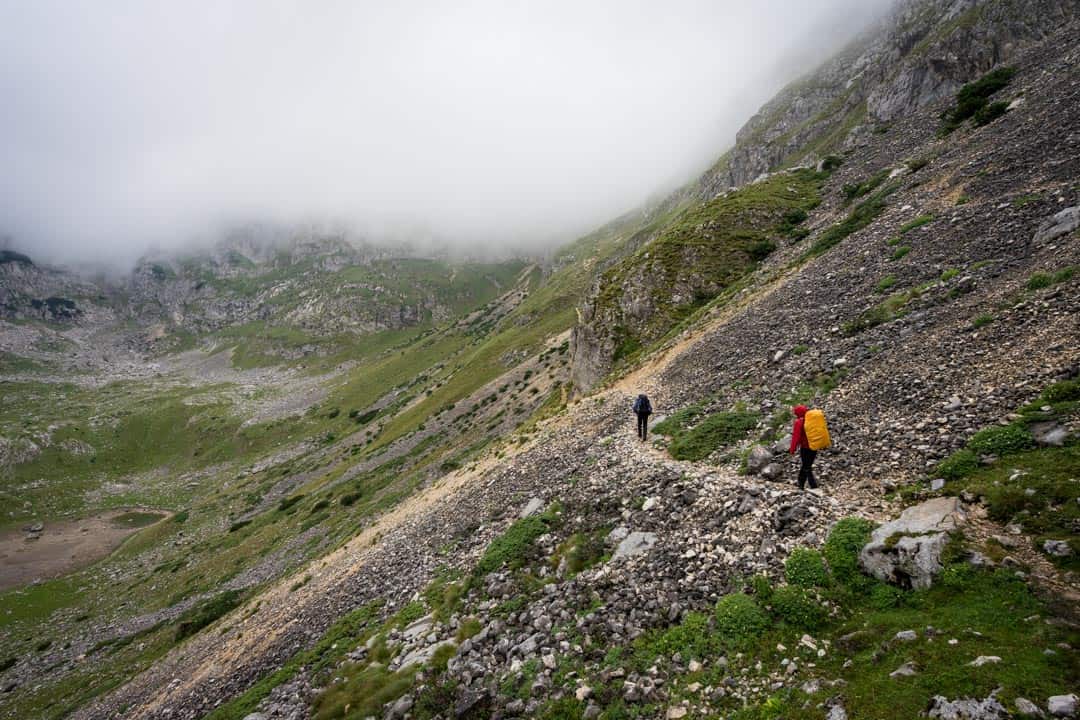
x=907, y=551
x=1059, y=224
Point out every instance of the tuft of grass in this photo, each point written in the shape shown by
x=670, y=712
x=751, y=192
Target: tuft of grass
x=798, y=608
x=916, y=223
x=805, y=567
x=514, y=546
x=886, y=283
x=740, y=620
x=900, y=252
x=982, y=321
x=949, y=274
x=714, y=432
x=862, y=215
x=842, y=546
x=207, y=612
x=1001, y=440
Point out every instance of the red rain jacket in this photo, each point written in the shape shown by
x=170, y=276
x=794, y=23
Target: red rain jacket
x=798, y=433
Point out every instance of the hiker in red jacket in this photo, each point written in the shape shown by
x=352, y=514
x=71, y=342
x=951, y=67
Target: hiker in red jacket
x=800, y=443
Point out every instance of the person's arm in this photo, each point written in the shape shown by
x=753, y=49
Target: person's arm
x=796, y=434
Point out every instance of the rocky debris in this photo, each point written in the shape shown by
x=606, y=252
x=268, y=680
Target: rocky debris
x=1026, y=707
x=1057, y=548
x=966, y=709
x=1059, y=224
x=1064, y=706
x=907, y=551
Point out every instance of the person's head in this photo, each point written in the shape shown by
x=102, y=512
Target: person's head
x=799, y=410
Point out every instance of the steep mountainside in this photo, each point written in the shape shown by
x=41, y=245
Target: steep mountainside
x=918, y=59
x=425, y=522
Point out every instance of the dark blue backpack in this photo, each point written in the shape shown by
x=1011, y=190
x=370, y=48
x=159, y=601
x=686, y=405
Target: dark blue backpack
x=642, y=405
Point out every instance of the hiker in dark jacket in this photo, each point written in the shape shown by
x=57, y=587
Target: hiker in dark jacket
x=643, y=409
x=800, y=443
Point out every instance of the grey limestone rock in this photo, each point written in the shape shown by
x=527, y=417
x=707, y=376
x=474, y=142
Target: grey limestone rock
x=907, y=551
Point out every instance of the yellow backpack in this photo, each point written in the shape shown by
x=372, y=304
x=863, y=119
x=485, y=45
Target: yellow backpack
x=817, y=432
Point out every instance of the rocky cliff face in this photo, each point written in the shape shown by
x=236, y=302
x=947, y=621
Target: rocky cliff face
x=919, y=56
x=914, y=62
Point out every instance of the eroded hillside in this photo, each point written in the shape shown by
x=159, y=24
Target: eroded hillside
x=429, y=524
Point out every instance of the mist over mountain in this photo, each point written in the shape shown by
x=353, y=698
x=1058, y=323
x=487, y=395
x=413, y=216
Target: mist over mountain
x=129, y=126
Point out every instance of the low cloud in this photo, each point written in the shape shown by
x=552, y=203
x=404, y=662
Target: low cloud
x=129, y=124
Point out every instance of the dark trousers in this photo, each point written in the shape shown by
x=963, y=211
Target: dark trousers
x=643, y=425
x=806, y=472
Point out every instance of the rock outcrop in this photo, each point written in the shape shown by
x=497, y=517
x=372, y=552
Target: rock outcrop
x=907, y=551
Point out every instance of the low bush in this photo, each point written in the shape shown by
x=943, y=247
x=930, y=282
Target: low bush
x=739, y=619
x=841, y=551
x=513, y=546
x=960, y=464
x=762, y=588
x=1001, y=440
x=973, y=98
x=198, y=617
x=806, y=568
x=798, y=608
x=714, y=432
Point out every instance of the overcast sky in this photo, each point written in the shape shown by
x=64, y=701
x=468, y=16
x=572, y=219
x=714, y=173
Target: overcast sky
x=130, y=123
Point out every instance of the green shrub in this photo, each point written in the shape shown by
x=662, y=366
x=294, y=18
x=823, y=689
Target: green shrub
x=846, y=539
x=798, y=608
x=960, y=464
x=714, y=432
x=512, y=547
x=1065, y=391
x=239, y=525
x=901, y=252
x=988, y=113
x=949, y=274
x=762, y=588
x=916, y=223
x=287, y=503
x=349, y=498
x=692, y=638
x=831, y=163
x=974, y=97
x=739, y=619
x=884, y=597
x=885, y=283
x=806, y=568
x=1001, y=440
x=1039, y=280
x=198, y=617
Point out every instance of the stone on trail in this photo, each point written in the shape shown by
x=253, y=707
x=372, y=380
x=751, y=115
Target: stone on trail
x=837, y=712
x=985, y=660
x=907, y=551
x=759, y=457
x=635, y=543
x=772, y=471
x=255, y=716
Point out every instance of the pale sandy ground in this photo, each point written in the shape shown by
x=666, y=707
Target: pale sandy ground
x=62, y=547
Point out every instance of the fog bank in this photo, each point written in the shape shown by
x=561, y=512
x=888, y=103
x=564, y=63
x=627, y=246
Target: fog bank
x=129, y=124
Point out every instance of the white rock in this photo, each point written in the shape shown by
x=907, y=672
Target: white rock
x=1062, y=705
